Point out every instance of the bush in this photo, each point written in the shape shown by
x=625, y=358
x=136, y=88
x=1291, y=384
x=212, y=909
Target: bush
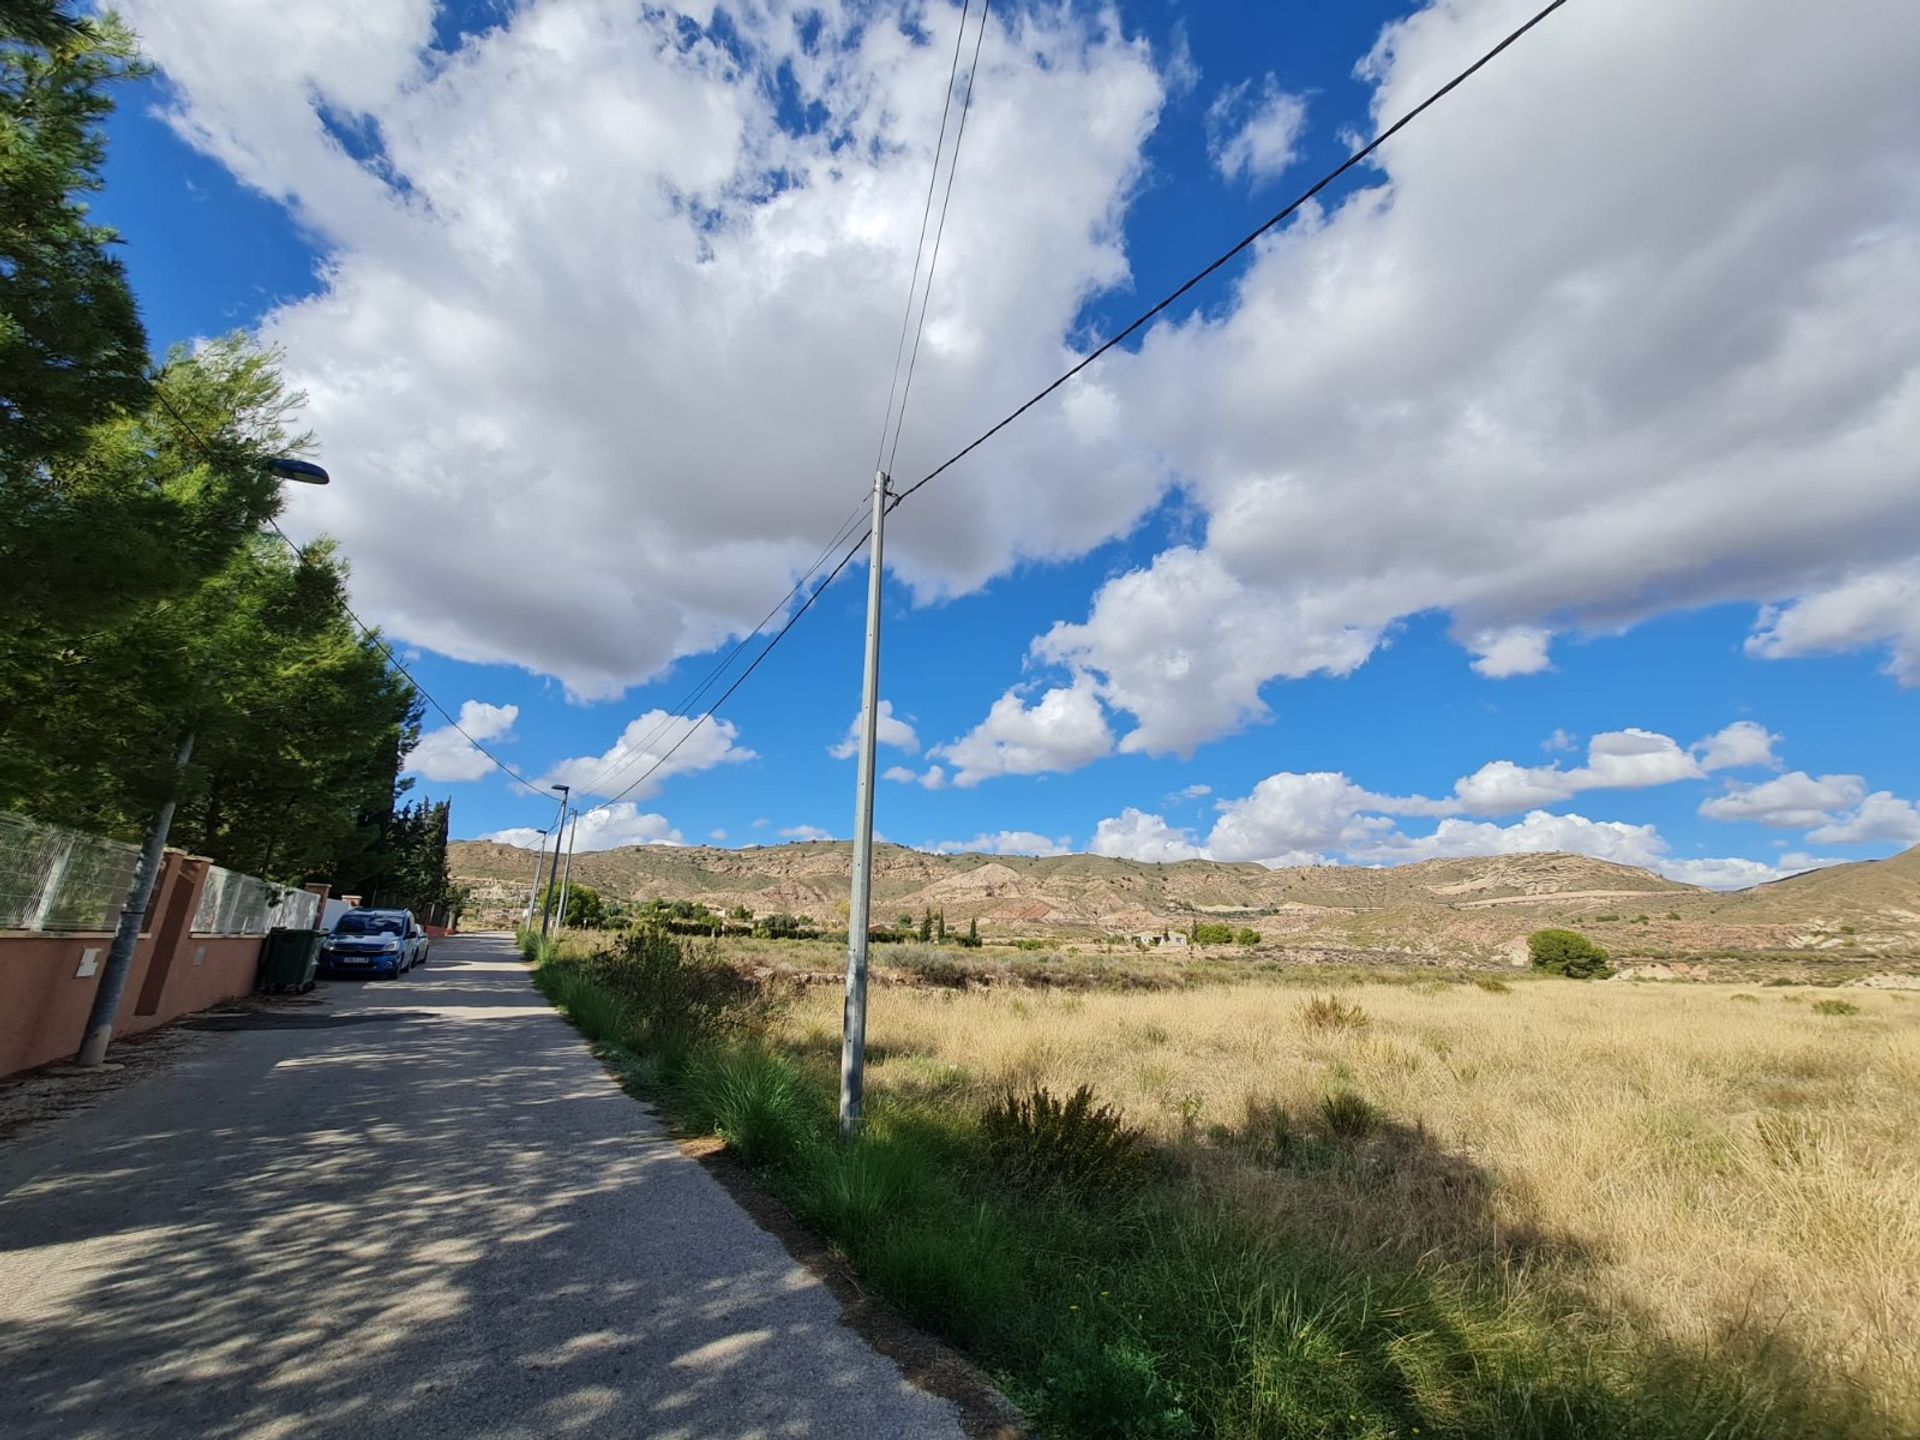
x=1038, y=1142
x=1330, y=1012
x=1835, y=1007
x=1568, y=953
x=1246, y=937
x=1492, y=984
x=1110, y=1389
x=1347, y=1116
x=754, y=1102
x=669, y=987
x=1208, y=934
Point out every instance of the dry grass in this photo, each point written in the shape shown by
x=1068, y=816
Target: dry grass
x=1739, y=1177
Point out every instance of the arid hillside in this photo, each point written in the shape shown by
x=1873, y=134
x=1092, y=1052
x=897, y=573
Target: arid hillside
x=1451, y=910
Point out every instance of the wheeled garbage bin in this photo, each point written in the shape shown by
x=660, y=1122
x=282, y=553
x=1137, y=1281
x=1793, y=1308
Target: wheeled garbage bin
x=289, y=958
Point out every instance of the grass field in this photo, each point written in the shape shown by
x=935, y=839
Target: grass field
x=1534, y=1208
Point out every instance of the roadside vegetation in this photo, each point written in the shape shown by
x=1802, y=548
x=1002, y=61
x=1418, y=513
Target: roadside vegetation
x=1511, y=1209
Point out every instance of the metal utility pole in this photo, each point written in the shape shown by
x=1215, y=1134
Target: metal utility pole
x=566, y=876
x=113, y=980
x=853, y=1035
x=546, y=901
x=533, y=890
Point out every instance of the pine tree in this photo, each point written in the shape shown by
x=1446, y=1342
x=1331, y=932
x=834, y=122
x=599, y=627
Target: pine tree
x=940, y=928
x=926, y=925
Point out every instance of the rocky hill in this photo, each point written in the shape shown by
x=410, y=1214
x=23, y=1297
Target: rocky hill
x=1479, y=908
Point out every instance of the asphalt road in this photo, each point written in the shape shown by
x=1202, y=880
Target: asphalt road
x=418, y=1209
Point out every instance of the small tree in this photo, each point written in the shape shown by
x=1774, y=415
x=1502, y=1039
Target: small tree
x=1247, y=937
x=740, y=912
x=972, y=938
x=926, y=925
x=940, y=928
x=1212, y=934
x=1568, y=953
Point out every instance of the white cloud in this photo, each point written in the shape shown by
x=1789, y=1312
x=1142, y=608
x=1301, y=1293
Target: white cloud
x=1195, y=792
x=587, y=224
x=1296, y=820
x=932, y=778
x=1727, y=874
x=444, y=754
x=1630, y=759
x=1006, y=842
x=1881, y=816
x=1516, y=650
x=1538, y=831
x=806, y=832
x=1743, y=745
x=1555, y=377
x=1134, y=835
x=1875, y=607
x=645, y=740
x=1255, y=136
x=609, y=828
x=717, y=836
x=894, y=733
x=1560, y=742
x=1063, y=730
x=1794, y=801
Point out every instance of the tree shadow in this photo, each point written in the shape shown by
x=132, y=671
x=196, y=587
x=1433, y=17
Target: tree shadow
x=430, y=1212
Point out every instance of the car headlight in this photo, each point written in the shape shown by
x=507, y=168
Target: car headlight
x=389, y=944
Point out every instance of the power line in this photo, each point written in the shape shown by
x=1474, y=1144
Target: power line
x=365, y=629
x=913, y=280
x=685, y=706
x=726, y=694
x=1237, y=249
x=933, y=263
x=1240, y=247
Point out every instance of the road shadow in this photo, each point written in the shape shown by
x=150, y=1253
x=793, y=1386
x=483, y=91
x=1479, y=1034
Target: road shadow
x=426, y=1211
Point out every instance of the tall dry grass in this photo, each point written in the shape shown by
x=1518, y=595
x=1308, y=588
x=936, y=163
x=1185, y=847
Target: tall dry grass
x=1738, y=1176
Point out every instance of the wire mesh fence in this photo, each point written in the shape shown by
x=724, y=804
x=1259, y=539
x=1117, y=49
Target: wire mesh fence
x=55, y=879
x=236, y=904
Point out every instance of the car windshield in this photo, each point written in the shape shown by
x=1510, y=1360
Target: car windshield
x=370, y=925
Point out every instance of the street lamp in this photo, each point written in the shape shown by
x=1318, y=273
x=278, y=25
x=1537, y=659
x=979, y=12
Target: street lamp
x=113, y=979
x=559, y=828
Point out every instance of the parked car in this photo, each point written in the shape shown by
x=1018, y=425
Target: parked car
x=373, y=942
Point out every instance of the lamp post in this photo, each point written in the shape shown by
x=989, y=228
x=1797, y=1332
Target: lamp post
x=546, y=901
x=126, y=936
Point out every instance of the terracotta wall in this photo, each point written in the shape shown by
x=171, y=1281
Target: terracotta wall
x=47, y=982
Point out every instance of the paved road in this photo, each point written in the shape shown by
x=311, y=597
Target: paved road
x=420, y=1209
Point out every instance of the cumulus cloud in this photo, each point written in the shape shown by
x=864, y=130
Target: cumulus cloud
x=1794, y=801
x=1006, y=842
x=1195, y=792
x=1255, y=135
x=1880, y=816
x=1063, y=730
x=1743, y=745
x=1630, y=759
x=888, y=730
x=807, y=832
x=1879, y=606
x=589, y=223
x=605, y=829
x=1134, y=835
x=445, y=754
x=1552, y=377
x=645, y=740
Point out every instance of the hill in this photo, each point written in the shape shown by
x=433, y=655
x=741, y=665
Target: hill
x=1480, y=908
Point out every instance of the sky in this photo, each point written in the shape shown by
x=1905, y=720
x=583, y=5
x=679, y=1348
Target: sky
x=1550, y=482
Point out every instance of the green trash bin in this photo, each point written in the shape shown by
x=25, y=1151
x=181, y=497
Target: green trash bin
x=289, y=958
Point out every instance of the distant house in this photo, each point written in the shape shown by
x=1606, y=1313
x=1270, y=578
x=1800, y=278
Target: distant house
x=1163, y=939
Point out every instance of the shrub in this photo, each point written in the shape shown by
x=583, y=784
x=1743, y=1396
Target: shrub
x=1492, y=984
x=670, y=987
x=1749, y=999
x=1330, y=1012
x=1246, y=937
x=1109, y=1389
x=1210, y=934
x=1039, y=1142
x=753, y=1101
x=1835, y=1007
x=1348, y=1116
x=1568, y=953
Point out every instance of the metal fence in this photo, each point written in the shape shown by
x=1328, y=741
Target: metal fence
x=236, y=904
x=52, y=879
x=55, y=879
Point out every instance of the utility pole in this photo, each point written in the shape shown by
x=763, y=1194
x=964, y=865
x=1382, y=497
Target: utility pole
x=113, y=980
x=546, y=900
x=853, y=1035
x=566, y=876
x=533, y=890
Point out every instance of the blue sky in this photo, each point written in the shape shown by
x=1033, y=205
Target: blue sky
x=1515, y=447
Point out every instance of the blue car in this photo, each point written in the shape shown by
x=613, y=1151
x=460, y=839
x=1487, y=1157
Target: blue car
x=384, y=943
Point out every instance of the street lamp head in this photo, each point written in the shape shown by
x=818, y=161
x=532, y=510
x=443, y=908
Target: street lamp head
x=304, y=471
x=564, y=789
